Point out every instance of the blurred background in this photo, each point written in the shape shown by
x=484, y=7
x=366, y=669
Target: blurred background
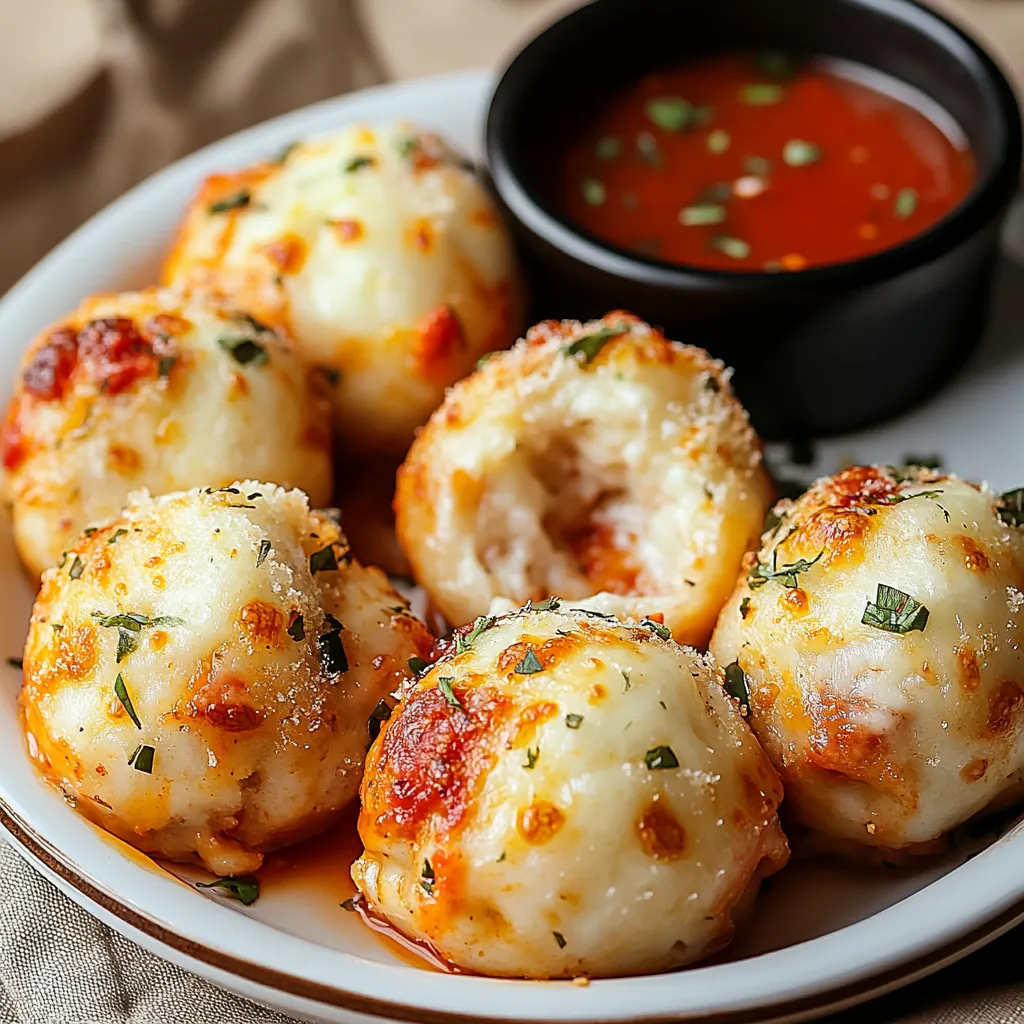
x=97, y=94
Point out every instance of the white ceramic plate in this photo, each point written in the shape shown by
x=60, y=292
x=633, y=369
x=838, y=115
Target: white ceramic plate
x=824, y=936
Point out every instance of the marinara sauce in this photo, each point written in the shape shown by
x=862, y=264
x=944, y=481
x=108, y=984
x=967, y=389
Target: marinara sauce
x=741, y=162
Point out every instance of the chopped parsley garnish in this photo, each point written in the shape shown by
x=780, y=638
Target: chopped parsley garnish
x=261, y=557
x=550, y=604
x=380, y=714
x=894, y=611
x=76, y=568
x=658, y=758
x=701, y=214
x=762, y=94
x=128, y=624
x=744, y=607
x=407, y=145
x=126, y=702
x=590, y=345
x=166, y=364
x=560, y=939
x=786, y=574
x=324, y=560
x=358, y=162
x=736, y=683
x=117, y=535
x=905, y=204
x=142, y=758
x=659, y=629
x=1011, y=507
x=719, y=141
x=349, y=904
x=594, y=192
x=297, y=629
x=463, y=642
x=16, y=663
x=427, y=878
x=670, y=113
x=532, y=757
x=626, y=673
x=798, y=153
x=444, y=684
x=924, y=461
x=244, y=350
x=417, y=666
x=573, y=721
x=244, y=888
x=332, y=650
x=735, y=248
x=608, y=147
x=235, y=201
x=528, y=664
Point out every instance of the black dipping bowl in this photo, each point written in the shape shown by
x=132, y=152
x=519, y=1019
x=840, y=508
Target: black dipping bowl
x=816, y=352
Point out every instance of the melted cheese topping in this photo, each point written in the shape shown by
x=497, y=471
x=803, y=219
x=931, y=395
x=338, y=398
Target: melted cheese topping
x=885, y=738
x=139, y=390
x=566, y=795
x=252, y=698
x=383, y=255
x=628, y=471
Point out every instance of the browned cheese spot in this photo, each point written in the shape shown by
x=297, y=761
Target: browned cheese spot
x=539, y=822
x=660, y=832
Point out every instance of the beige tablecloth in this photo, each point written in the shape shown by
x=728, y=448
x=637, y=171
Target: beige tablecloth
x=94, y=96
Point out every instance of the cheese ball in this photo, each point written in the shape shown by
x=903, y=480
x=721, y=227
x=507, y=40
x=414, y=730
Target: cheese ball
x=199, y=673
x=383, y=255
x=878, y=633
x=153, y=390
x=597, y=459
x=562, y=794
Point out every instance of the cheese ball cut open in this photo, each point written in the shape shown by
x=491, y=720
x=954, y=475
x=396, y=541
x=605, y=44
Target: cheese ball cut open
x=595, y=461
x=380, y=251
x=878, y=634
x=160, y=391
x=199, y=673
x=561, y=794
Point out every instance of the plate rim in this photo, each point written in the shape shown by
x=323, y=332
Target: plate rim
x=995, y=908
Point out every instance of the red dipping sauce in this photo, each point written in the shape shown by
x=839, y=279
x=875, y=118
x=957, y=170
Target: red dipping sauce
x=764, y=163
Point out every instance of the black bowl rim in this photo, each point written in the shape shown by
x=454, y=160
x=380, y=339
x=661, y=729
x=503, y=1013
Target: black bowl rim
x=986, y=200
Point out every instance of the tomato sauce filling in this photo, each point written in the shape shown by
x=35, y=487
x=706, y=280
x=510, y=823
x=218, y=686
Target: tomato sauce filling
x=764, y=163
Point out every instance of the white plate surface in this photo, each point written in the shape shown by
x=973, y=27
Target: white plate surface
x=824, y=935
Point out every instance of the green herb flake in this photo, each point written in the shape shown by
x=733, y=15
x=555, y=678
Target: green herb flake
x=359, y=162
x=284, y=153
x=380, y=714
x=532, y=757
x=244, y=351
x=244, y=888
x=589, y=345
x=719, y=141
x=261, y=556
x=463, y=642
x=786, y=574
x=701, y=214
x=349, y=904
x=736, y=683
x=417, y=666
x=427, y=878
x=332, y=650
x=799, y=153
x=1011, y=507
x=670, y=113
x=324, y=560
x=735, y=248
x=236, y=201
x=912, y=461
x=608, y=147
x=573, y=721
x=117, y=535
x=76, y=568
x=297, y=629
x=502, y=857
x=659, y=629
x=593, y=191
x=528, y=665
x=626, y=673
x=905, y=203
x=142, y=758
x=560, y=939
x=407, y=145
x=659, y=758
x=17, y=663
x=126, y=702
x=744, y=607
x=444, y=684
x=894, y=612
x=549, y=604
x=762, y=94
x=166, y=364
